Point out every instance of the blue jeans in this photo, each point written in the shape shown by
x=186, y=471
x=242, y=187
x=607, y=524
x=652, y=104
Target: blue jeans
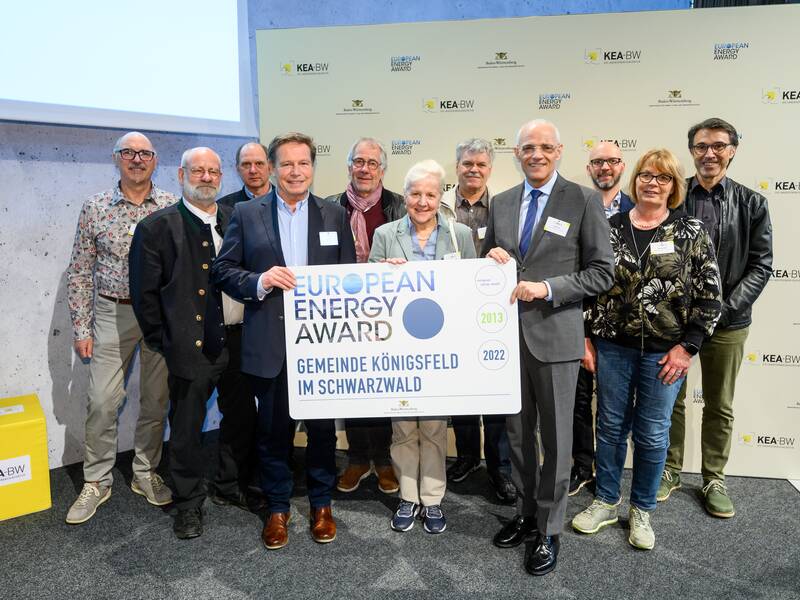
x=631, y=397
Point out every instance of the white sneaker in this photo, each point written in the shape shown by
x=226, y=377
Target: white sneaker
x=642, y=535
x=595, y=517
x=153, y=488
x=88, y=500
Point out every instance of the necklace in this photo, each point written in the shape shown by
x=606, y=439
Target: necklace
x=640, y=255
x=645, y=225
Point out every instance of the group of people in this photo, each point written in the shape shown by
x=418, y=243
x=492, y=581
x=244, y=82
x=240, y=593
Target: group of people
x=619, y=288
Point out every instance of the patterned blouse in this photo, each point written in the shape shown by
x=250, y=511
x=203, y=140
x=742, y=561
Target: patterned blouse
x=99, y=261
x=674, y=297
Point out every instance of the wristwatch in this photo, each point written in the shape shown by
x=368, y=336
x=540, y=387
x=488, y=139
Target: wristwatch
x=690, y=348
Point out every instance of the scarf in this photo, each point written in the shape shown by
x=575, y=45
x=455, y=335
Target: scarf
x=358, y=223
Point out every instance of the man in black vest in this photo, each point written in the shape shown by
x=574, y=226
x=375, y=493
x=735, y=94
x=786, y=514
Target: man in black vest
x=198, y=330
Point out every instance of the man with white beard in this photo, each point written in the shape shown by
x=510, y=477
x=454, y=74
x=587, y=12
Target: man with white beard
x=198, y=330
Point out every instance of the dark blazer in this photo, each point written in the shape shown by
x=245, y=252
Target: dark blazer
x=234, y=198
x=170, y=259
x=393, y=204
x=625, y=202
x=576, y=265
x=252, y=246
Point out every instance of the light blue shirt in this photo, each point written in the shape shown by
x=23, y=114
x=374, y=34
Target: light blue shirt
x=293, y=228
x=429, y=251
x=544, y=196
x=613, y=208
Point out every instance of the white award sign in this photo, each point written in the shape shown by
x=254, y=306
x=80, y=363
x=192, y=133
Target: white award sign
x=426, y=338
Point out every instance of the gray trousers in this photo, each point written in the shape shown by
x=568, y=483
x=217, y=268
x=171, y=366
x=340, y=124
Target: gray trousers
x=116, y=338
x=541, y=470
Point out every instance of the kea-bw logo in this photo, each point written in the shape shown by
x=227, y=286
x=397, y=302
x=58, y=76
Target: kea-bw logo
x=304, y=68
x=625, y=144
x=610, y=56
x=778, y=186
x=780, y=95
x=444, y=105
x=15, y=470
x=772, y=359
x=766, y=440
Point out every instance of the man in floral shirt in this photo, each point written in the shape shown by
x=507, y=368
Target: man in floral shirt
x=106, y=332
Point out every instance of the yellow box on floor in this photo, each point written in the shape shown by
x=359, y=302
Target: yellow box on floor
x=24, y=470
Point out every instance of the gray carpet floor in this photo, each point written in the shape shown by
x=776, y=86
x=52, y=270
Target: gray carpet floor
x=128, y=550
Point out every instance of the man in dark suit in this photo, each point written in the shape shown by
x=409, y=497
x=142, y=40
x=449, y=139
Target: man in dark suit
x=198, y=330
x=288, y=227
x=605, y=169
x=254, y=170
x=369, y=205
x=558, y=234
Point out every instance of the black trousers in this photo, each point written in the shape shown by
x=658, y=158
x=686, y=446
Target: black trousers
x=189, y=400
x=467, y=430
x=369, y=440
x=583, y=422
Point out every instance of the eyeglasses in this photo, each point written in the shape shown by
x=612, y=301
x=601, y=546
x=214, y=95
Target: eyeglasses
x=372, y=165
x=597, y=163
x=200, y=171
x=529, y=149
x=716, y=148
x=661, y=178
x=130, y=154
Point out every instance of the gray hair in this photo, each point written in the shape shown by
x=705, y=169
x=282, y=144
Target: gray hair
x=537, y=123
x=118, y=145
x=186, y=156
x=475, y=146
x=421, y=170
x=371, y=141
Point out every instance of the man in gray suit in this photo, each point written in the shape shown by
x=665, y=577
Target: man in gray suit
x=558, y=234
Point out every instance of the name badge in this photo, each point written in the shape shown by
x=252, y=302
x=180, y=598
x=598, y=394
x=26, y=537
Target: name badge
x=131, y=229
x=662, y=247
x=481, y=232
x=452, y=256
x=556, y=226
x=328, y=238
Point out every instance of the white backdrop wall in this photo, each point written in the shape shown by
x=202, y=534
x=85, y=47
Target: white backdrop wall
x=640, y=78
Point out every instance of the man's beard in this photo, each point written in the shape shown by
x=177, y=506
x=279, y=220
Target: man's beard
x=202, y=194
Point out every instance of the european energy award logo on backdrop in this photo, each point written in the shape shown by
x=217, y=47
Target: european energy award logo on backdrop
x=553, y=100
x=403, y=63
x=612, y=56
x=729, y=50
x=292, y=67
x=405, y=146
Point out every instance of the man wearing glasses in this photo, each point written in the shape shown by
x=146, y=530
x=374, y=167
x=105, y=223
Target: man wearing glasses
x=557, y=233
x=199, y=332
x=254, y=171
x=737, y=219
x=605, y=169
x=106, y=332
x=369, y=205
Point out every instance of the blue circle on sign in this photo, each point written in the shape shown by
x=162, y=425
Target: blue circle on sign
x=352, y=283
x=423, y=318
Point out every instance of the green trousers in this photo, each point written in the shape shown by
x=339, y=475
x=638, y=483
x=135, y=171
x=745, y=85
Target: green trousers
x=720, y=359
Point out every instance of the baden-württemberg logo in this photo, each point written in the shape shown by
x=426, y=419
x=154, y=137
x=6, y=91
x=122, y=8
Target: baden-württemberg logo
x=433, y=105
x=500, y=59
x=729, y=50
x=673, y=98
x=766, y=440
x=404, y=146
x=502, y=145
x=612, y=56
x=405, y=62
x=777, y=185
x=292, y=67
x=780, y=95
x=358, y=106
x=626, y=144
x=553, y=100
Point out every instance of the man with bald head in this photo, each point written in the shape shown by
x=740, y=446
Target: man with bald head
x=605, y=168
x=254, y=171
x=557, y=233
x=106, y=333
x=198, y=331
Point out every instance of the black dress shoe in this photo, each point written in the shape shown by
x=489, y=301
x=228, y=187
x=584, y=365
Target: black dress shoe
x=503, y=487
x=543, y=555
x=578, y=478
x=188, y=524
x=516, y=531
x=249, y=501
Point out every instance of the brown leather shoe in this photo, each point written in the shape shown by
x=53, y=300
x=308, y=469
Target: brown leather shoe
x=323, y=527
x=275, y=533
x=352, y=476
x=387, y=480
